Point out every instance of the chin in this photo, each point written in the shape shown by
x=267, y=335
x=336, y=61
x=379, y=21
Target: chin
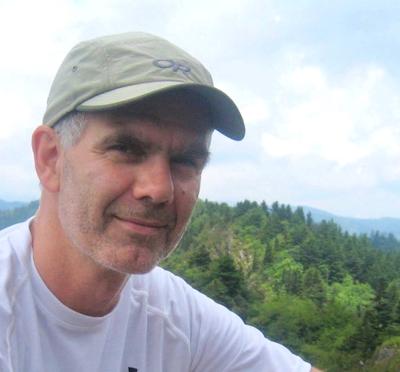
x=138, y=263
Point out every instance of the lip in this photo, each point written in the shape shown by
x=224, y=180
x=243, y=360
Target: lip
x=142, y=226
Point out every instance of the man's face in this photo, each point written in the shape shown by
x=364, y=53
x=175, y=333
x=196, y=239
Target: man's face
x=128, y=187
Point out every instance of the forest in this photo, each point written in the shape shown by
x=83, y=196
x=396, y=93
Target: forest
x=331, y=297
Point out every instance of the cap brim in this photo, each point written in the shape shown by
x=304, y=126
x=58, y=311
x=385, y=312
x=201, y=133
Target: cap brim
x=226, y=116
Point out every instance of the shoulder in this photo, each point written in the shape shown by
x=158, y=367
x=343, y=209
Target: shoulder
x=15, y=243
x=18, y=232
x=219, y=340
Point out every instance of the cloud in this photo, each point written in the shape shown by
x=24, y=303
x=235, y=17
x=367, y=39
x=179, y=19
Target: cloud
x=346, y=190
x=343, y=119
x=231, y=182
x=317, y=85
x=19, y=181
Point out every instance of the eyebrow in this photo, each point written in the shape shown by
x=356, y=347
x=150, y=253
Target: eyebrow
x=194, y=150
x=128, y=139
x=197, y=152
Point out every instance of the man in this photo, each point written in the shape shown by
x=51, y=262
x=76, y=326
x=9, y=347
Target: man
x=125, y=138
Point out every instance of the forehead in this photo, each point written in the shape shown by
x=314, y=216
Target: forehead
x=176, y=115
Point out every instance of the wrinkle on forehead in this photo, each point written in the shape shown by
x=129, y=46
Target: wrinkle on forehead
x=176, y=128
x=152, y=132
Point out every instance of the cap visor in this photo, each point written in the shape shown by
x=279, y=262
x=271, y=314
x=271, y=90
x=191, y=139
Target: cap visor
x=227, y=118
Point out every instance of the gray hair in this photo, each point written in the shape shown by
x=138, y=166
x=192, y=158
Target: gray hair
x=70, y=128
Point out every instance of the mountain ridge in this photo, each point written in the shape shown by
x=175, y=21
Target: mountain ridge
x=385, y=225
x=5, y=205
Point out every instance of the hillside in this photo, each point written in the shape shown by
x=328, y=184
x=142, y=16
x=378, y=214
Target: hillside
x=4, y=205
x=11, y=216
x=367, y=226
x=328, y=295
x=385, y=226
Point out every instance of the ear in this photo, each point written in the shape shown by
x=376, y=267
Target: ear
x=47, y=153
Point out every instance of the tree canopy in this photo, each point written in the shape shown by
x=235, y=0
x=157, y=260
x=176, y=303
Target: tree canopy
x=332, y=297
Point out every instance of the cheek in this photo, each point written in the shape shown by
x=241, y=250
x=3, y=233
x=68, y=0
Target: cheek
x=109, y=183
x=186, y=197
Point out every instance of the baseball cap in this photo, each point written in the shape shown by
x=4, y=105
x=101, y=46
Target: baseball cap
x=116, y=70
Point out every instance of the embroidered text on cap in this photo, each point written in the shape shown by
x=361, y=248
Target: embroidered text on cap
x=170, y=63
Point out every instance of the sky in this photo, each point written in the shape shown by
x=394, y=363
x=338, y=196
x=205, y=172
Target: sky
x=317, y=82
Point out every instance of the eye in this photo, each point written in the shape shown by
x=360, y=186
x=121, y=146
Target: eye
x=127, y=150
x=121, y=147
x=185, y=161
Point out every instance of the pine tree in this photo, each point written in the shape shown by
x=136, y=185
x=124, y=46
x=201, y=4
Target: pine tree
x=314, y=287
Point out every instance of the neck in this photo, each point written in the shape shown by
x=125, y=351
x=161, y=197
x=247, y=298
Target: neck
x=77, y=281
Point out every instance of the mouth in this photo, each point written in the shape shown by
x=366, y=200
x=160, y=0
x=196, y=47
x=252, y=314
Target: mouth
x=143, y=227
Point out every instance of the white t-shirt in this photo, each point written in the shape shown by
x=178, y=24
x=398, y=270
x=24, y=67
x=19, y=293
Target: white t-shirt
x=160, y=324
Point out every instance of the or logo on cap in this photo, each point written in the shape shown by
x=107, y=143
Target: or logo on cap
x=170, y=63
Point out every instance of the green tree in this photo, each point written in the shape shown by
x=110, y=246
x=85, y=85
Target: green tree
x=314, y=286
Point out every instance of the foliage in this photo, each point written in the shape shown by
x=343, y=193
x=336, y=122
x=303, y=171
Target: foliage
x=332, y=297
x=386, y=242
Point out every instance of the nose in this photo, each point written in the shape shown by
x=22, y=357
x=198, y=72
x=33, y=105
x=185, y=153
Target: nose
x=154, y=181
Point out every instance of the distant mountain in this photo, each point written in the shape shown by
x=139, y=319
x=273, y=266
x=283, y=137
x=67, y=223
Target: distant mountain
x=17, y=211
x=11, y=216
x=4, y=205
x=358, y=225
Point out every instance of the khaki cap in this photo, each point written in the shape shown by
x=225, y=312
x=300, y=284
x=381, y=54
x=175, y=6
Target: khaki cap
x=112, y=71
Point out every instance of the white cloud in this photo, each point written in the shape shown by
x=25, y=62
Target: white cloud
x=253, y=107
x=335, y=118
x=234, y=181
x=322, y=122
x=33, y=38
